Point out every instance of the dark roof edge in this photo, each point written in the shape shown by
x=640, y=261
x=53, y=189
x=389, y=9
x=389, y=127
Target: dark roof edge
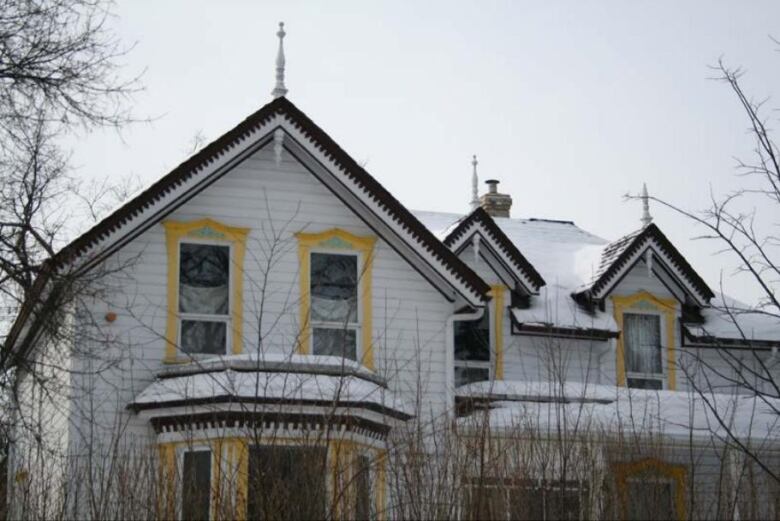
x=651, y=231
x=215, y=149
x=716, y=342
x=265, y=400
x=569, y=333
x=481, y=216
x=380, y=193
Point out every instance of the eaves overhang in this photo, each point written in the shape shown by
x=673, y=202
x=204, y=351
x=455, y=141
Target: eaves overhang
x=220, y=156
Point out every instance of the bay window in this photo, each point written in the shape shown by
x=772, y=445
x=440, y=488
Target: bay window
x=286, y=482
x=196, y=484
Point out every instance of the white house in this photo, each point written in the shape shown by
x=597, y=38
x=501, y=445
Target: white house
x=268, y=309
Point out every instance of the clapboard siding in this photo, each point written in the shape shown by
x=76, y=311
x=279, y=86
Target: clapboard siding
x=409, y=315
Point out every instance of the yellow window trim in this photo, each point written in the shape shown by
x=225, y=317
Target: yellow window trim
x=235, y=450
x=497, y=292
x=170, y=476
x=212, y=231
x=677, y=474
x=337, y=239
x=668, y=308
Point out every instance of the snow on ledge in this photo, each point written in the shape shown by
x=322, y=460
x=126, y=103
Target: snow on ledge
x=276, y=387
x=275, y=362
x=604, y=409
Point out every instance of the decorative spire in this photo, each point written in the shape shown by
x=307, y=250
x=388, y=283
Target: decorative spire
x=474, y=184
x=280, y=90
x=646, y=217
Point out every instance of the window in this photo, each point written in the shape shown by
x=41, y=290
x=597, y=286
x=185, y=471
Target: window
x=196, y=484
x=205, y=289
x=644, y=353
x=524, y=501
x=362, y=483
x=649, y=499
x=334, y=304
x=651, y=489
x=650, y=359
x=204, y=298
x=472, y=350
x=286, y=482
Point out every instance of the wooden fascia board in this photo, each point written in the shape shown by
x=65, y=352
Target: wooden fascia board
x=391, y=238
x=464, y=239
x=629, y=262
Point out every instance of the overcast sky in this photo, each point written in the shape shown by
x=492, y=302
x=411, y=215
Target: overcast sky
x=569, y=104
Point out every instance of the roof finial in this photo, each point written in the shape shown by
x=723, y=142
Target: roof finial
x=474, y=184
x=646, y=217
x=280, y=90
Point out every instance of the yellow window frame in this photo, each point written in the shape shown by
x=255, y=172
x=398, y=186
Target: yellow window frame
x=337, y=240
x=498, y=294
x=213, y=232
x=234, y=452
x=644, y=301
x=655, y=467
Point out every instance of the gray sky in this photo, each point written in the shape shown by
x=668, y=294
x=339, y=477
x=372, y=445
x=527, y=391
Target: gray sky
x=570, y=104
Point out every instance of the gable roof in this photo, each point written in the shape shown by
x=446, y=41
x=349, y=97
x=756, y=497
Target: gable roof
x=278, y=107
x=219, y=153
x=480, y=221
x=565, y=257
x=619, y=256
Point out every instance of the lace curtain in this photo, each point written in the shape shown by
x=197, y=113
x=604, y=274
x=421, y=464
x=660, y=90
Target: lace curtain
x=642, y=337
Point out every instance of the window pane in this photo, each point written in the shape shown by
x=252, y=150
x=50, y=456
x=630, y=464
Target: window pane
x=472, y=339
x=550, y=501
x=204, y=272
x=466, y=375
x=286, y=482
x=334, y=288
x=642, y=337
x=362, y=482
x=562, y=504
x=526, y=504
x=650, y=499
x=200, y=336
x=335, y=342
x=645, y=383
x=485, y=503
x=196, y=485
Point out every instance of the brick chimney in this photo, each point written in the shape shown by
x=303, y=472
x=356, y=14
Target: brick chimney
x=494, y=203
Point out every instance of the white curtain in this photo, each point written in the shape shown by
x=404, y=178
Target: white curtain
x=204, y=300
x=642, y=338
x=333, y=309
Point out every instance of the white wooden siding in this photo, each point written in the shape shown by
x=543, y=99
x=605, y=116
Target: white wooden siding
x=409, y=315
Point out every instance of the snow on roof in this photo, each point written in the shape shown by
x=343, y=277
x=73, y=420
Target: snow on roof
x=301, y=378
x=596, y=409
x=565, y=255
x=439, y=223
x=729, y=318
x=569, y=259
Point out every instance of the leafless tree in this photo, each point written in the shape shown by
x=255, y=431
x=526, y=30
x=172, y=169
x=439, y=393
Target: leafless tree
x=59, y=72
x=743, y=224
